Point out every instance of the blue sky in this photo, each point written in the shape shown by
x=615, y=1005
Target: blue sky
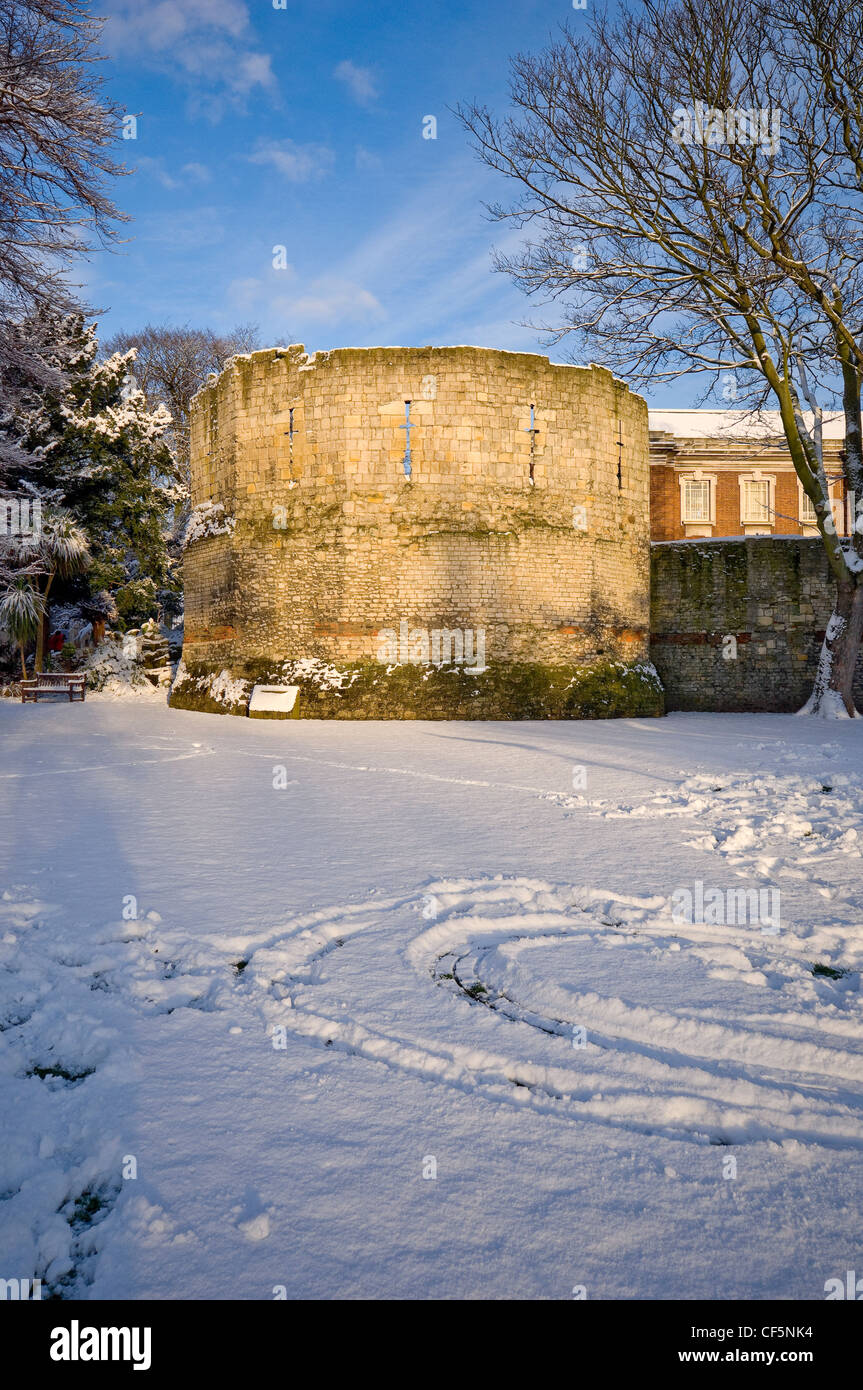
x=302, y=127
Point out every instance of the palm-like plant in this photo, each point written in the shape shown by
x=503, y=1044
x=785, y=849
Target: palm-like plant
x=28, y=567
x=63, y=549
x=21, y=611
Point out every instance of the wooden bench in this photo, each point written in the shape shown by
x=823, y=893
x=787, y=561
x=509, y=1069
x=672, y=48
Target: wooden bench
x=53, y=683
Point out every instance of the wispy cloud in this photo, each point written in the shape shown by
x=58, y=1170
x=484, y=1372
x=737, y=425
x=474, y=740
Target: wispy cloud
x=421, y=274
x=427, y=266
x=249, y=294
x=155, y=168
x=367, y=162
x=298, y=163
x=196, y=173
x=207, y=43
x=331, y=300
x=435, y=245
x=359, y=81
x=189, y=175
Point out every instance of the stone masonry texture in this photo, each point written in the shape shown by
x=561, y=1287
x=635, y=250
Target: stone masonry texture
x=333, y=544
x=773, y=596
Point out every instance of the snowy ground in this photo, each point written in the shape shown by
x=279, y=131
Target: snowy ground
x=431, y=920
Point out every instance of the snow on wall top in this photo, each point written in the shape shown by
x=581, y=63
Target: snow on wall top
x=734, y=424
x=310, y=360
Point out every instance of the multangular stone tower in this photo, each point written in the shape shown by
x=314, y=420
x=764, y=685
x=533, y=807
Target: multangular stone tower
x=349, y=505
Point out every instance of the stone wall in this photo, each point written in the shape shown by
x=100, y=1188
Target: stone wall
x=322, y=542
x=773, y=596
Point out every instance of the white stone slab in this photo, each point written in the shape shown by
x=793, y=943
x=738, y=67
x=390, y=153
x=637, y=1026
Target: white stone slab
x=273, y=700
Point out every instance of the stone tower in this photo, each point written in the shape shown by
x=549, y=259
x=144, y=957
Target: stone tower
x=348, y=502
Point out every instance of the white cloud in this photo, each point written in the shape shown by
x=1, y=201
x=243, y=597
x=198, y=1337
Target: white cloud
x=252, y=70
x=245, y=294
x=367, y=162
x=428, y=263
x=359, y=81
x=144, y=164
x=335, y=301
x=189, y=174
x=205, y=42
x=421, y=273
x=196, y=173
x=327, y=299
x=298, y=163
x=157, y=27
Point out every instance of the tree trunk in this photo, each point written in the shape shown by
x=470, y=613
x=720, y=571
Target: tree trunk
x=23, y=662
x=42, y=629
x=831, y=696
x=41, y=641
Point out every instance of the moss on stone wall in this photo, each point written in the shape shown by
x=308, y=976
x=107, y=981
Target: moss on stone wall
x=773, y=595
x=369, y=690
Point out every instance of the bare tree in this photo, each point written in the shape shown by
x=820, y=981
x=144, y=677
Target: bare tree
x=173, y=362
x=56, y=130
x=691, y=175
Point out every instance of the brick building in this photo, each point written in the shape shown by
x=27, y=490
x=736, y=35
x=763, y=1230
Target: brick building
x=728, y=473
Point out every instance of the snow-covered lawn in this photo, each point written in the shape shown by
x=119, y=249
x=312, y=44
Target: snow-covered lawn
x=287, y=972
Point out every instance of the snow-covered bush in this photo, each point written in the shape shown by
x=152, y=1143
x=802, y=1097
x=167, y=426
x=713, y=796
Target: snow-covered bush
x=208, y=519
